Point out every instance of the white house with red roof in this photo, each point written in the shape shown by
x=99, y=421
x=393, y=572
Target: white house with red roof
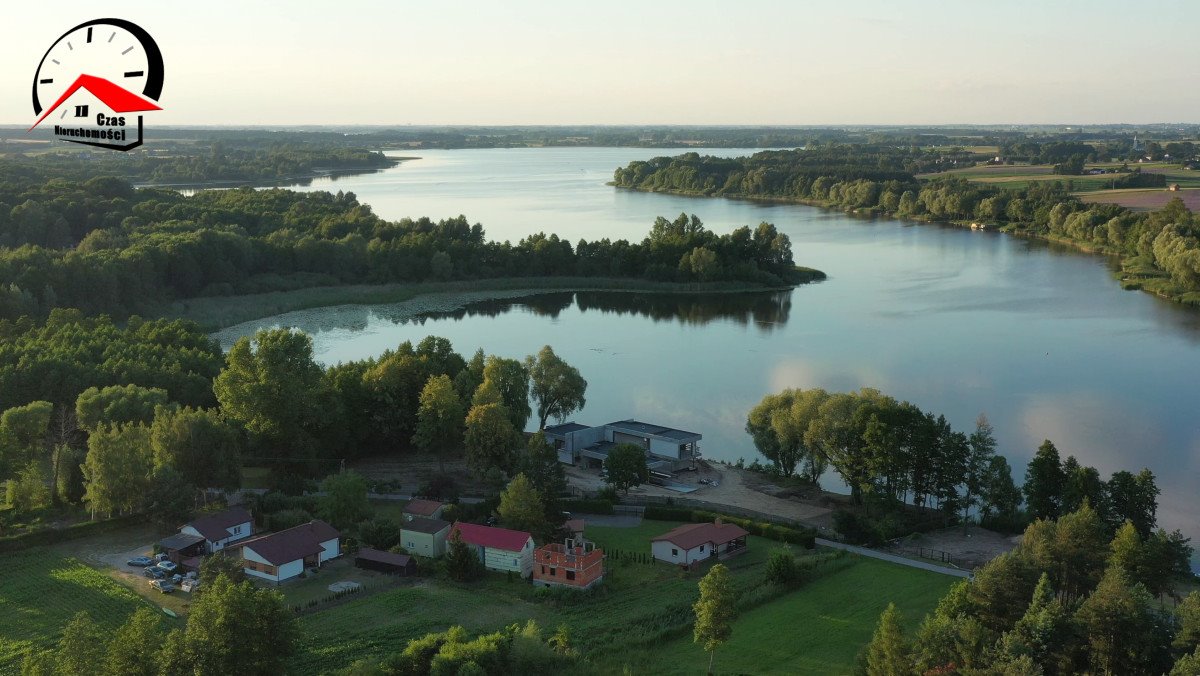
x=694, y=542
x=284, y=555
x=500, y=549
x=220, y=529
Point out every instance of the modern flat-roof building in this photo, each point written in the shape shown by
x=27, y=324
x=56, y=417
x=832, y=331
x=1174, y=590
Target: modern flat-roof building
x=667, y=449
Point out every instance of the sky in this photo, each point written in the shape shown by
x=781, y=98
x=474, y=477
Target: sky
x=698, y=62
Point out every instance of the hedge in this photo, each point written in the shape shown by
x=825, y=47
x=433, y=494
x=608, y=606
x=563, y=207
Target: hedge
x=786, y=534
x=52, y=536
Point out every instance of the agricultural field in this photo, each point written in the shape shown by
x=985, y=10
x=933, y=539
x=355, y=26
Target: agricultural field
x=1020, y=176
x=41, y=590
x=640, y=606
x=1144, y=199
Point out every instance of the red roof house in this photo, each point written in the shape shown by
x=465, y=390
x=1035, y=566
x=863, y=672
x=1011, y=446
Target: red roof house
x=284, y=555
x=694, y=542
x=500, y=549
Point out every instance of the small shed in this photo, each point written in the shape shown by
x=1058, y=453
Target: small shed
x=182, y=546
x=385, y=562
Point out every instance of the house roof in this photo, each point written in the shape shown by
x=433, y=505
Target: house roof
x=117, y=98
x=575, y=525
x=180, y=541
x=422, y=525
x=215, y=527
x=422, y=507
x=564, y=428
x=368, y=554
x=491, y=537
x=692, y=535
x=654, y=430
x=294, y=543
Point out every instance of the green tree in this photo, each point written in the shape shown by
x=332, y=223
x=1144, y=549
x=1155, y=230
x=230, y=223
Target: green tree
x=1082, y=484
x=489, y=439
x=69, y=483
x=345, y=501
x=1187, y=639
x=511, y=380
x=1134, y=498
x=220, y=563
x=1002, y=588
x=521, y=507
x=887, y=653
x=781, y=567
x=81, y=648
x=1073, y=550
x=715, y=611
x=238, y=628
x=470, y=377
x=1120, y=627
x=1188, y=665
x=1044, y=632
x=117, y=469
x=1126, y=551
x=1044, y=482
x=272, y=387
x=462, y=562
x=118, y=404
x=539, y=462
x=556, y=386
x=200, y=444
x=23, y=435
x=28, y=491
x=133, y=650
x=981, y=448
x=439, y=419
x=626, y=466
x=169, y=498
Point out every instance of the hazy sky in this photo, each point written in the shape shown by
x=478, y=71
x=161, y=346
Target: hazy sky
x=612, y=62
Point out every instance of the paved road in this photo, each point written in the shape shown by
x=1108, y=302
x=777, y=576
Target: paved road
x=933, y=567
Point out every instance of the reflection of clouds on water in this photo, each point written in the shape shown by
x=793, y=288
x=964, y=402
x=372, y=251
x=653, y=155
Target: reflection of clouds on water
x=1111, y=434
x=793, y=372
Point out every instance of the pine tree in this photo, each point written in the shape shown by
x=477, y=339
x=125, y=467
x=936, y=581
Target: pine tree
x=887, y=653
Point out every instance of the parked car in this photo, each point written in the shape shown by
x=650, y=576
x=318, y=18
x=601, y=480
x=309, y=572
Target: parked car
x=190, y=586
x=154, y=572
x=161, y=556
x=163, y=586
x=168, y=566
x=141, y=561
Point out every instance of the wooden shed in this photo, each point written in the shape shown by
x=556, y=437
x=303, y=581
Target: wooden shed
x=385, y=562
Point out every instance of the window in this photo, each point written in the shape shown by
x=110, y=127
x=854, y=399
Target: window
x=570, y=575
x=701, y=549
x=516, y=562
x=674, y=552
x=237, y=530
x=553, y=572
x=543, y=570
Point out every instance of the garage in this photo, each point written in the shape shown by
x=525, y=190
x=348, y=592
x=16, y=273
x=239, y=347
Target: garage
x=385, y=562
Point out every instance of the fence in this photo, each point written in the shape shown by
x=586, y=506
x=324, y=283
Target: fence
x=931, y=555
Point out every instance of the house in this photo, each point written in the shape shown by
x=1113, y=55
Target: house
x=667, y=449
x=385, y=562
x=500, y=549
x=694, y=542
x=425, y=537
x=575, y=564
x=1174, y=187
x=574, y=528
x=182, y=547
x=429, y=509
x=219, y=529
x=281, y=556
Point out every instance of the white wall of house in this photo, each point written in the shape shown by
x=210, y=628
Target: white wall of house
x=506, y=560
x=673, y=553
x=330, y=549
x=238, y=532
x=285, y=572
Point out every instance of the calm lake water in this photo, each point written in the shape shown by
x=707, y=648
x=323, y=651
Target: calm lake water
x=1042, y=339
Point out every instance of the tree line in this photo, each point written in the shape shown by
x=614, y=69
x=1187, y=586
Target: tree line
x=103, y=247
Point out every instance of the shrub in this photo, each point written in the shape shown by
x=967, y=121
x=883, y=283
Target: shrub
x=781, y=567
x=287, y=518
x=379, y=533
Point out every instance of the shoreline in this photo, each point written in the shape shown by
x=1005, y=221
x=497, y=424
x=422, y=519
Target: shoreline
x=1126, y=282
x=217, y=314
x=280, y=182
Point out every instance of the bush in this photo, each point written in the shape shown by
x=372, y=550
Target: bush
x=781, y=567
x=288, y=518
x=382, y=534
x=439, y=487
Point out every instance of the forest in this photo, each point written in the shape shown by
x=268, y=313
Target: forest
x=1159, y=251
x=102, y=246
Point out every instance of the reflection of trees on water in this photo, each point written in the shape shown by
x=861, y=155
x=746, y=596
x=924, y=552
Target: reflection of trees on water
x=764, y=309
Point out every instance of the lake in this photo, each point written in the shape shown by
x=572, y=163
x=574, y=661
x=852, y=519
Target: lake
x=1040, y=338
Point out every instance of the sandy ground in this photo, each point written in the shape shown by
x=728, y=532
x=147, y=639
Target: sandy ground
x=975, y=548
x=736, y=488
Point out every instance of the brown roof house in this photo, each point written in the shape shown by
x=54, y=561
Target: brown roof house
x=220, y=529
x=284, y=555
x=694, y=542
x=385, y=562
x=421, y=508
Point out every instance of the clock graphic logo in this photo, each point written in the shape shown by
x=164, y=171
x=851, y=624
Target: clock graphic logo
x=93, y=79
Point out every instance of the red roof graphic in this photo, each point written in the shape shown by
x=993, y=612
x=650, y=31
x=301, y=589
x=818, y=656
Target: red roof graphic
x=118, y=99
x=494, y=538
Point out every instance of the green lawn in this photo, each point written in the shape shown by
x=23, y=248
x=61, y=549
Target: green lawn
x=817, y=629
x=41, y=590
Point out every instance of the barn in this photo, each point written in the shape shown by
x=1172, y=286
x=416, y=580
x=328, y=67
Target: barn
x=385, y=562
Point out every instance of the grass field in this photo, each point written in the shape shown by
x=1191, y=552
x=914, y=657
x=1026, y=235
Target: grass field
x=642, y=609
x=41, y=590
x=1144, y=199
x=816, y=630
x=1017, y=177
